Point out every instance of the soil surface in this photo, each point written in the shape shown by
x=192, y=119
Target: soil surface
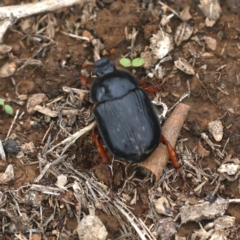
x=60, y=60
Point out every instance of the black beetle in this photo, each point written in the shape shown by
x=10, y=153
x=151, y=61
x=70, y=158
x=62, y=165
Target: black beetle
x=125, y=116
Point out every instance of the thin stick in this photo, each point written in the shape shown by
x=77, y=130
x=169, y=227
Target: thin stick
x=2, y=152
x=172, y=10
x=14, y=120
x=71, y=139
x=75, y=36
x=181, y=98
x=133, y=221
x=10, y=14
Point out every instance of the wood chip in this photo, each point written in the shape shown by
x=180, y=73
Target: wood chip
x=46, y=111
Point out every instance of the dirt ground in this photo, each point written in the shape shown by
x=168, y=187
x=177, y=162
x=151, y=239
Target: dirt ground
x=29, y=211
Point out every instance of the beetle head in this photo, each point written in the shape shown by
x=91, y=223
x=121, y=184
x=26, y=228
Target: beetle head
x=103, y=66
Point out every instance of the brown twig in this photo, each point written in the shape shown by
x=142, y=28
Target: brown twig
x=171, y=129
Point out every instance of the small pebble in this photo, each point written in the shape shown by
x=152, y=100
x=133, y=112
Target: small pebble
x=216, y=129
x=91, y=228
x=11, y=146
x=16, y=49
x=211, y=43
x=8, y=69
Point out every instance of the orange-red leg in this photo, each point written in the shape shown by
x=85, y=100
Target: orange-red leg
x=147, y=88
x=103, y=154
x=100, y=148
x=171, y=152
x=175, y=162
x=84, y=81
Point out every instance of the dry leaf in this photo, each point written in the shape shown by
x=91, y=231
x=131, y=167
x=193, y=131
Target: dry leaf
x=201, y=151
x=8, y=69
x=162, y=206
x=161, y=44
x=8, y=175
x=183, y=65
x=205, y=210
x=183, y=33
x=216, y=230
x=27, y=24
x=28, y=148
x=4, y=50
x=211, y=9
x=34, y=100
x=224, y=222
x=185, y=14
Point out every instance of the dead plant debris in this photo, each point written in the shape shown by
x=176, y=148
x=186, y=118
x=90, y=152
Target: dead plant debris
x=52, y=186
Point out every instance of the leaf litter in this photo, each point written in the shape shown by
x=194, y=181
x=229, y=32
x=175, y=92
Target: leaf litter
x=58, y=192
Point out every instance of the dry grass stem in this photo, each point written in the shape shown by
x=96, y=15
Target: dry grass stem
x=10, y=14
x=14, y=120
x=70, y=140
x=2, y=152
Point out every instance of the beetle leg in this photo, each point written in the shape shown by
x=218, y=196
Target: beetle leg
x=171, y=152
x=84, y=81
x=100, y=148
x=103, y=153
x=147, y=88
x=175, y=162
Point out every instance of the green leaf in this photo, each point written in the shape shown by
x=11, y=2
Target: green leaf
x=125, y=62
x=137, y=62
x=1, y=102
x=8, y=109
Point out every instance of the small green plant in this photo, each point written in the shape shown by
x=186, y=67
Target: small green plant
x=7, y=108
x=136, y=62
